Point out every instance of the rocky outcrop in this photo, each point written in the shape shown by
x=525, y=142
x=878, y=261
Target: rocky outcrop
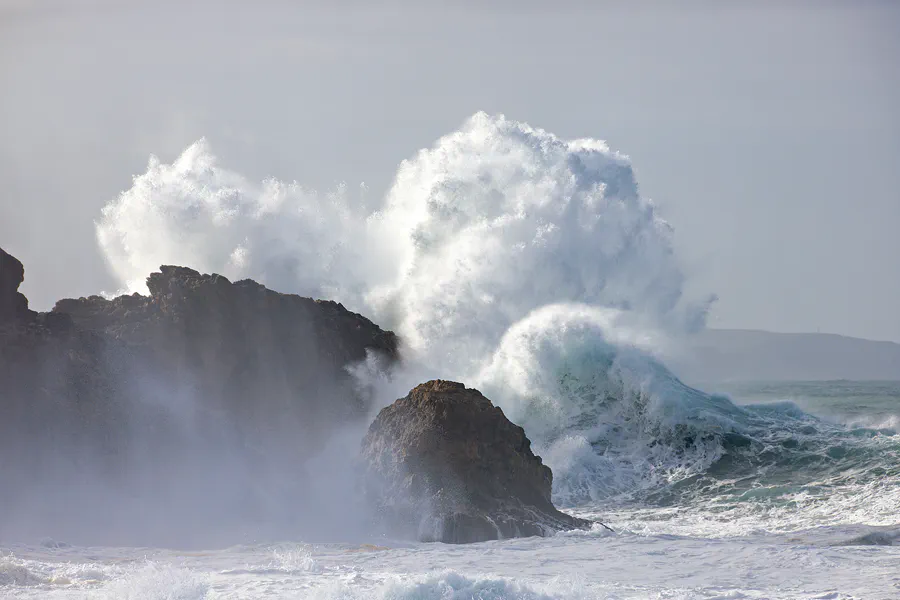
x=207, y=396
x=58, y=392
x=278, y=361
x=198, y=397
x=13, y=305
x=240, y=347
x=199, y=309
x=444, y=464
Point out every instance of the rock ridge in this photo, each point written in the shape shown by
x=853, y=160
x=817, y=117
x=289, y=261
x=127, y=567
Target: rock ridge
x=201, y=376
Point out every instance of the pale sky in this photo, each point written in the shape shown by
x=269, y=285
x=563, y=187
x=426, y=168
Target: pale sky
x=768, y=134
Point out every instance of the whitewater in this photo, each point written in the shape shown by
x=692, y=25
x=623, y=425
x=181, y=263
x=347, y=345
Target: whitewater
x=530, y=267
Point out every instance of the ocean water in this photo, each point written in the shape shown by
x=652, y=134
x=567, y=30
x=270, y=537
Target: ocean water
x=530, y=267
x=814, y=514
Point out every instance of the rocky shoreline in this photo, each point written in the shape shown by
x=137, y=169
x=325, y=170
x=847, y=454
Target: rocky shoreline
x=95, y=382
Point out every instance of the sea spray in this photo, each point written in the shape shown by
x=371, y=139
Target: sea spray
x=494, y=221
x=505, y=257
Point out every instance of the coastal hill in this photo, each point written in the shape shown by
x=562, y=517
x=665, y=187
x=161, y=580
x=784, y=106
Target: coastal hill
x=750, y=355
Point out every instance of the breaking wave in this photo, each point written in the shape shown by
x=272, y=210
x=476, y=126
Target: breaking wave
x=523, y=264
x=619, y=429
x=494, y=221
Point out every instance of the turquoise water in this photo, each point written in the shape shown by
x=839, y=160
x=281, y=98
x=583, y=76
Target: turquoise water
x=865, y=403
x=810, y=456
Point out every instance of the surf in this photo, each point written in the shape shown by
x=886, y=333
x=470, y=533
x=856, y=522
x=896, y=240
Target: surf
x=531, y=267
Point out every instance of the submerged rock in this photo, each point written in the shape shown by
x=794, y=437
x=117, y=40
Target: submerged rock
x=444, y=464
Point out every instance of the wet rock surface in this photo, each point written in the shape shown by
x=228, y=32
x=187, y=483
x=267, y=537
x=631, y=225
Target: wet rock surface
x=13, y=305
x=205, y=395
x=444, y=464
x=243, y=344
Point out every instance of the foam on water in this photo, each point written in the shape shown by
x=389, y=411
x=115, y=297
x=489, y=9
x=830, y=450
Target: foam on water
x=285, y=559
x=153, y=581
x=14, y=572
x=450, y=585
x=570, y=566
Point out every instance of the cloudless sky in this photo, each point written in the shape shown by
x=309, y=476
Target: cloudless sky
x=768, y=133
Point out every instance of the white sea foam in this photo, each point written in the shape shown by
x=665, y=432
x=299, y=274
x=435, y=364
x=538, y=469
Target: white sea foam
x=15, y=572
x=285, y=559
x=494, y=221
x=565, y=567
x=157, y=581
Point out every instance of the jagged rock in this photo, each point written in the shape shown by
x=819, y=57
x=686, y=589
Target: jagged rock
x=211, y=305
x=444, y=464
x=278, y=360
x=58, y=392
x=13, y=304
x=203, y=378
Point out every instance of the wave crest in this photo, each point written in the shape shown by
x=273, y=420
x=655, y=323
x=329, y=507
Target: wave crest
x=495, y=220
x=606, y=416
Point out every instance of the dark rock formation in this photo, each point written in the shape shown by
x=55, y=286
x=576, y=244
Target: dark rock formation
x=277, y=361
x=444, y=464
x=13, y=305
x=198, y=397
x=268, y=359
x=57, y=390
x=199, y=308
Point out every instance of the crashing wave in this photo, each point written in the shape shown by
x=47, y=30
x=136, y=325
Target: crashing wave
x=494, y=221
x=508, y=258
x=606, y=416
